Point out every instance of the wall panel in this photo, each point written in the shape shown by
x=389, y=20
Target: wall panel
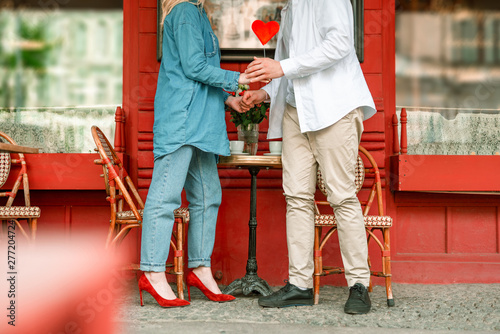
x=147, y=21
x=374, y=4
x=70, y=213
x=446, y=238
x=472, y=230
x=147, y=53
x=372, y=22
x=373, y=46
x=421, y=230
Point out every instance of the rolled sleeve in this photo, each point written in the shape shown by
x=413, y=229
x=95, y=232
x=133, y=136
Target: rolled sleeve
x=231, y=80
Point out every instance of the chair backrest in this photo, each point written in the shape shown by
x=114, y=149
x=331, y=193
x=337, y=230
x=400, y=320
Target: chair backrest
x=360, y=177
x=118, y=184
x=371, y=170
x=5, y=169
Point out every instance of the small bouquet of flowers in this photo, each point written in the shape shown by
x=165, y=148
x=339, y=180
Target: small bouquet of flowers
x=254, y=115
x=247, y=122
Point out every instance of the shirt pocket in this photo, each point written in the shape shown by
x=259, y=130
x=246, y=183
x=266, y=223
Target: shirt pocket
x=211, y=44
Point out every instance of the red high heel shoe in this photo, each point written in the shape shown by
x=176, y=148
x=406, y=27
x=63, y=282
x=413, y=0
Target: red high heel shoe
x=193, y=280
x=145, y=285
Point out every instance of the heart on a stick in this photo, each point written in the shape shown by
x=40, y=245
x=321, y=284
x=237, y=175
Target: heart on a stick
x=265, y=31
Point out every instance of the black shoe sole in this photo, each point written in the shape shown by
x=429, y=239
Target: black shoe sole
x=288, y=303
x=357, y=311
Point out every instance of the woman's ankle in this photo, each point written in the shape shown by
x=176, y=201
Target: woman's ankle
x=159, y=282
x=206, y=277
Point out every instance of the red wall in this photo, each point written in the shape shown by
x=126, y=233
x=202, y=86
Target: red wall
x=446, y=238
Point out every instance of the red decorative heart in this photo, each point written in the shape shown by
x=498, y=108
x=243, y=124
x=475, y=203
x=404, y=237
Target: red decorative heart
x=265, y=31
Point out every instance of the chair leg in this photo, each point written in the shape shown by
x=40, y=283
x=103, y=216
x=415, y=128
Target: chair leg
x=20, y=227
x=180, y=259
x=317, y=263
x=111, y=232
x=386, y=259
x=370, y=285
x=3, y=227
x=121, y=235
x=33, y=228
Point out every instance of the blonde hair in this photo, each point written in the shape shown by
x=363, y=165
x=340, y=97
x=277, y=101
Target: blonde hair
x=168, y=5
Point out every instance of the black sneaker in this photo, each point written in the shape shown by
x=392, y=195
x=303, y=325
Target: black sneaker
x=289, y=295
x=359, y=301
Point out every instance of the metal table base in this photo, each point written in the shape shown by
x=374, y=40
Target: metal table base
x=251, y=282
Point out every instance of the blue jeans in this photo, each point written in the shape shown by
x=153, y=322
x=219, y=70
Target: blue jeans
x=195, y=171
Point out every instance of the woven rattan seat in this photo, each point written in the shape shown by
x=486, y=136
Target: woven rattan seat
x=179, y=213
x=374, y=224
x=370, y=221
x=19, y=212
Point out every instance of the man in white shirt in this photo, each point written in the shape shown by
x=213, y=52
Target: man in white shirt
x=319, y=99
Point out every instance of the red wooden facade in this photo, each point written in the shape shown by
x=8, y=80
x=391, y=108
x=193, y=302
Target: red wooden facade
x=443, y=237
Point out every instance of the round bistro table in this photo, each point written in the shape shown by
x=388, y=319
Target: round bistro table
x=254, y=163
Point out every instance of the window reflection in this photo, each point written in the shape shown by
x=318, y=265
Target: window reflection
x=448, y=75
x=53, y=61
x=448, y=54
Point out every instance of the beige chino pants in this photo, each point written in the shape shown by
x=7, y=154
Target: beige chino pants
x=334, y=150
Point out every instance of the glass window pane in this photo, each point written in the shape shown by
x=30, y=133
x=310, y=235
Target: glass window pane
x=448, y=75
x=55, y=67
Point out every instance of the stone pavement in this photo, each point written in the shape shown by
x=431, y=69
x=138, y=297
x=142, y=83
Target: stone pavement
x=458, y=308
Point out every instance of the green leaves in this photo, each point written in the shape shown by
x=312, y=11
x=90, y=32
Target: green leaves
x=254, y=115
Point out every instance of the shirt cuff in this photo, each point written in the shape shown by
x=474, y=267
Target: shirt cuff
x=231, y=79
x=290, y=68
x=267, y=89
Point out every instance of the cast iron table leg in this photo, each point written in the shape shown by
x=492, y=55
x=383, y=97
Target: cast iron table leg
x=251, y=282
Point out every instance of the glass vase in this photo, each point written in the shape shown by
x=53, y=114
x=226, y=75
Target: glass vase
x=250, y=135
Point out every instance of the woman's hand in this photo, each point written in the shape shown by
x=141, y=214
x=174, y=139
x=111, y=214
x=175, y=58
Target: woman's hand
x=243, y=79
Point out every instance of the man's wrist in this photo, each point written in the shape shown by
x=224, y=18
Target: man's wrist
x=266, y=97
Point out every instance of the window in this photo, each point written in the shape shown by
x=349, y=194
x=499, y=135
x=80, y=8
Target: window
x=448, y=75
x=60, y=72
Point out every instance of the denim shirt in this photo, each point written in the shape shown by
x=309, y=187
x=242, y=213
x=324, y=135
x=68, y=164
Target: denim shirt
x=189, y=101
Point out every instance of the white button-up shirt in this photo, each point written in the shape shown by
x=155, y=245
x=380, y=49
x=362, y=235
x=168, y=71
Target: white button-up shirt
x=320, y=60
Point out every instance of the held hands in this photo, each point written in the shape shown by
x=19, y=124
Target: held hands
x=235, y=103
x=263, y=70
x=252, y=97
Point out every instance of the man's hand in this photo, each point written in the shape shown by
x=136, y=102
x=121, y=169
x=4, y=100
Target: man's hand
x=252, y=97
x=235, y=103
x=264, y=70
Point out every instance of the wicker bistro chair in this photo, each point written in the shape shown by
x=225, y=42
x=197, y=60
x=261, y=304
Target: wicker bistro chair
x=372, y=224
x=17, y=213
x=121, y=191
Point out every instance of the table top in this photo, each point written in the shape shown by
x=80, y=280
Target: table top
x=270, y=161
x=11, y=148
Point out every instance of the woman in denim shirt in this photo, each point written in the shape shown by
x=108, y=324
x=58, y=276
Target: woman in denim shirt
x=189, y=133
